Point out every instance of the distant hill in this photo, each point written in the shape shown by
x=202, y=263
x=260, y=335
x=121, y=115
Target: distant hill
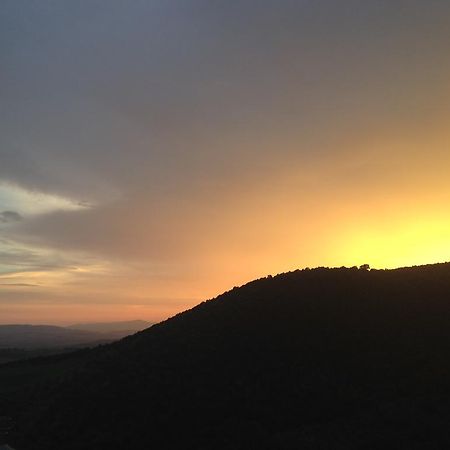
x=119, y=329
x=313, y=359
x=45, y=336
x=28, y=341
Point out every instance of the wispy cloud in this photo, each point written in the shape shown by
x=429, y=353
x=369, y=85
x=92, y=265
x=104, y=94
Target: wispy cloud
x=18, y=201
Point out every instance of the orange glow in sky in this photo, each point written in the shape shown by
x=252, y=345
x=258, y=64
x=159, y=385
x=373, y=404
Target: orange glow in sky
x=153, y=158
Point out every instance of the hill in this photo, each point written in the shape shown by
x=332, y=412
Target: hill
x=312, y=359
x=119, y=329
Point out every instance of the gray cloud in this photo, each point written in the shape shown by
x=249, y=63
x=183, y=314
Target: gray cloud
x=113, y=96
x=10, y=216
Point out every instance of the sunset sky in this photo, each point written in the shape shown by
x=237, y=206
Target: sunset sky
x=156, y=153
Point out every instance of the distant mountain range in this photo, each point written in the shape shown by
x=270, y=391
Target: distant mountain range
x=48, y=336
x=314, y=359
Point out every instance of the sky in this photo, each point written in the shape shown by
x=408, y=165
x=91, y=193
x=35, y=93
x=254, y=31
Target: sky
x=154, y=154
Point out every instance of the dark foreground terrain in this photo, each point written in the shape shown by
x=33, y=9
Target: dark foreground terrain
x=313, y=359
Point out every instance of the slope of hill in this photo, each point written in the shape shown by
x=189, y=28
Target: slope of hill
x=119, y=329
x=312, y=359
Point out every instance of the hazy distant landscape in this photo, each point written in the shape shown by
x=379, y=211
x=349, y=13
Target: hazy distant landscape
x=24, y=341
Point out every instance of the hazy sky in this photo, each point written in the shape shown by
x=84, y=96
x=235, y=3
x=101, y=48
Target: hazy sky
x=155, y=153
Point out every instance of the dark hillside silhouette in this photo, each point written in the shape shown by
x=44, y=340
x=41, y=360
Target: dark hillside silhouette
x=311, y=359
